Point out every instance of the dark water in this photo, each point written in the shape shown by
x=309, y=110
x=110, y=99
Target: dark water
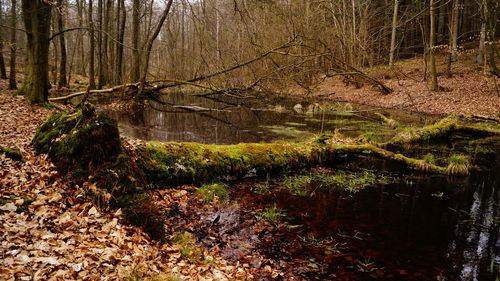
x=212, y=121
x=431, y=228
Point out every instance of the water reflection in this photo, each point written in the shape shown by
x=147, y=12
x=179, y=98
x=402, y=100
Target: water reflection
x=180, y=117
x=433, y=228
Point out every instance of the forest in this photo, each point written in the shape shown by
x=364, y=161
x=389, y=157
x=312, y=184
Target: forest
x=250, y=140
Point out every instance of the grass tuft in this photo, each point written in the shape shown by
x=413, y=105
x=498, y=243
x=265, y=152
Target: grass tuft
x=208, y=192
x=272, y=214
x=458, y=165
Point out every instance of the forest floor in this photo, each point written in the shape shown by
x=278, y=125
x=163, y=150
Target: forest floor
x=50, y=230
x=469, y=91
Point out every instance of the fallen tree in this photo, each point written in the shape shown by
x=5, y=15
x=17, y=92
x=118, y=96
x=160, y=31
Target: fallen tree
x=151, y=86
x=89, y=143
x=442, y=129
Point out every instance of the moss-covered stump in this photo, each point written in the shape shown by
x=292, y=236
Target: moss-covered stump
x=11, y=153
x=77, y=141
x=84, y=143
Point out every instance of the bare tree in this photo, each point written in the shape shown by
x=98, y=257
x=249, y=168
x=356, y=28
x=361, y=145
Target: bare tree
x=454, y=30
x=13, y=46
x=122, y=16
x=150, y=42
x=92, y=47
x=432, y=56
x=135, y=71
x=393, y=33
x=63, y=81
x=3, y=73
x=482, y=36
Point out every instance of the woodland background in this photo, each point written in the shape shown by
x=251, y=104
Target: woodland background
x=105, y=41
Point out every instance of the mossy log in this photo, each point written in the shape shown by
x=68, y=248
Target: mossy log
x=442, y=129
x=171, y=164
x=11, y=153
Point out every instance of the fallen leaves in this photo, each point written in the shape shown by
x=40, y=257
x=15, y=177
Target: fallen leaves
x=50, y=231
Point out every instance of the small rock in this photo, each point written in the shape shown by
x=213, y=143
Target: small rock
x=298, y=108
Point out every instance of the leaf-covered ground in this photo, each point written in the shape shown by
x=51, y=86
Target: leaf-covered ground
x=50, y=230
x=470, y=90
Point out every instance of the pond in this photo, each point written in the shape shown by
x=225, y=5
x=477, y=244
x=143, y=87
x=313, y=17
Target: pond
x=405, y=227
x=184, y=118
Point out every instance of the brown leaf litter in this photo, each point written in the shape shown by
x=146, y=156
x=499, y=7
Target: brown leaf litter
x=51, y=231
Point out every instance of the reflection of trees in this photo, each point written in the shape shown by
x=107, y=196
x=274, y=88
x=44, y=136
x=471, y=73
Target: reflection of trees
x=478, y=237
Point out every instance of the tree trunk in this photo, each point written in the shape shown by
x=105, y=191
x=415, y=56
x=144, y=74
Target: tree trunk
x=491, y=24
x=482, y=36
x=13, y=47
x=100, y=60
x=393, y=34
x=135, y=73
x=119, y=45
x=92, y=48
x=150, y=46
x=432, y=35
x=63, y=81
x=454, y=30
x=36, y=17
x=3, y=72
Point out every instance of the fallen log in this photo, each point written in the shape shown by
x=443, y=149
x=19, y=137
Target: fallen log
x=172, y=164
x=84, y=144
x=444, y=128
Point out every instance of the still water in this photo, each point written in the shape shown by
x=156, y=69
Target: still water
x=192, y=119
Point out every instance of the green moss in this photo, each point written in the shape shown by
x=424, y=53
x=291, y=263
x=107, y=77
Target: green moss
x=208, y=192
x=11, y=153
x=77, y=141
x=390, y=122
x=171, y=164
x=57, y=125
x=444, y=128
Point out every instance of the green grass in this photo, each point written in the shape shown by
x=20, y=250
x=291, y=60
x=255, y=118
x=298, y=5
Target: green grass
x=209, y=192
x=352, y=182
x=298, y=184
x=188, y=247
x=272, y=214
x=262, y=188
x=305, y=185
x=426, y=163
x=458, y=165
